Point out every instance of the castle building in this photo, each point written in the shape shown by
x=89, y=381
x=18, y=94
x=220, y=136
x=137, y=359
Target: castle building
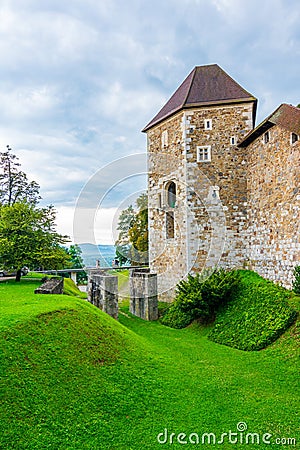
x=221, y=192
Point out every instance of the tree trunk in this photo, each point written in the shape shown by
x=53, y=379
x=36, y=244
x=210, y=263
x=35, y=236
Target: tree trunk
x=18, y=275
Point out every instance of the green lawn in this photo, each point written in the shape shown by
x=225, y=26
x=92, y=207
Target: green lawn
x=73, y=378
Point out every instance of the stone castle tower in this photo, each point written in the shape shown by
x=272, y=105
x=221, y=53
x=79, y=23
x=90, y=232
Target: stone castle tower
x=202, y=180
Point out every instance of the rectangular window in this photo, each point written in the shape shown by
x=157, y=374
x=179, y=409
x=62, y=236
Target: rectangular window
x=204, y=153
x=170, y=225
x=266, y=137
x=208, y=124
x=294, y=138
x=164, y=138
x=232, y=140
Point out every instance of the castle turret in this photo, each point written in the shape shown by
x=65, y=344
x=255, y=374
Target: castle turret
x=197, y=176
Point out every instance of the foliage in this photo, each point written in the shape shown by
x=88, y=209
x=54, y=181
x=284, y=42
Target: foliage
x=199, y=297
x=257, y=314
x=76, y=262
x=73, y=378
x=123, y=244
x=132, y=242
x=14, y=185
x=138, y=232
x=28, y=238
x=296, y=282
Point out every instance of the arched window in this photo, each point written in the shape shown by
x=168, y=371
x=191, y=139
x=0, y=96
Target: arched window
x=171, y=192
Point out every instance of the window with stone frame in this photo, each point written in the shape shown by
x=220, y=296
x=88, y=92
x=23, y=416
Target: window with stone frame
x=233, y=140
x=204, y=153
x=266, y=137
x=208, y=124
x=164, y=138
x=159, y=202
x=170, y=225
x=171, y=194
x=294, y=138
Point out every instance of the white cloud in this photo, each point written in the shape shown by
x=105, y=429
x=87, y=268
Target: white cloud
x=102, y=230
x=79, y=80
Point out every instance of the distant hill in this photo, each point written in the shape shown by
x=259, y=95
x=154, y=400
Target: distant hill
x=91, y=253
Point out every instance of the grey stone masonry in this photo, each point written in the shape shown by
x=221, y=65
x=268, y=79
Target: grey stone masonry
x=143, y=294
x=103, y=292
x=51, y=286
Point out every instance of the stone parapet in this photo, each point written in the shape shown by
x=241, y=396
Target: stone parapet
x=103, y=292
x=143, y=294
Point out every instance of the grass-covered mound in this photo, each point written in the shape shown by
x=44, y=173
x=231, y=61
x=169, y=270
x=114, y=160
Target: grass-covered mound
x=70, y=288
x=73, y=378
x=257, y=314
x=52, y=350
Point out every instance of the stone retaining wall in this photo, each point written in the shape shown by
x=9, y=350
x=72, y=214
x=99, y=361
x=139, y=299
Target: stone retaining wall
x=51, y=286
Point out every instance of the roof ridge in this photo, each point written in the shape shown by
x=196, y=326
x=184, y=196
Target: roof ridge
x=190, y=86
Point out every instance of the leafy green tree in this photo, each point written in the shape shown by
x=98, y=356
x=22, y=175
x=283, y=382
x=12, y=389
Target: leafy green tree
x=138, y=232
x=28, y=238
x=123, y=244
x=14, y=185
x=132, y=243
x=76, y=261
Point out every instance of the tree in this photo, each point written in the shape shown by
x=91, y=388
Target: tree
x=14, y=185
x=76, y=261
x=123, y=243
x=138, y=232
x=28, y=238
x=132, y=243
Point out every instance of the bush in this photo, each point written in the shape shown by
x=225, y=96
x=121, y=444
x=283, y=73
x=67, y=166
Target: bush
x=257, y=314
x=199, y=297
x=296, y=282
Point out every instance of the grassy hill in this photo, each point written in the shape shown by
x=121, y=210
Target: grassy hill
x=73, y=378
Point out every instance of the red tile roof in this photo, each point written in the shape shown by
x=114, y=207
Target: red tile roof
x=286, y=116
x=204, y=86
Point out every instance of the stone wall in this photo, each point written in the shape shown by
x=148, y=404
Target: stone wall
x=51, y=286
x=273, y=174
x=210, y=209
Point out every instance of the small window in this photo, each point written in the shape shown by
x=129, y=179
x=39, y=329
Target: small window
x=204, y=153
x=233, y=140
x=208, y=124
x=171, y=192
x=159, y=204
x=266, y=137
x=294, y=138
x=170, y=225
x=164, y=138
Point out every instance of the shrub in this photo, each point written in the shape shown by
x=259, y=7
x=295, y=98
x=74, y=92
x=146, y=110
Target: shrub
x=257, y=314
x=199, y=297
x=296, y=282
x=175, y=317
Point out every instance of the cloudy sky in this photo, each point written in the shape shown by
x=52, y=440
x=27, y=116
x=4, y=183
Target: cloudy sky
x=81, y=78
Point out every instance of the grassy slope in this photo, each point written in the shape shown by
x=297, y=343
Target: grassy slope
x=258, y=312
x=72, y=378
